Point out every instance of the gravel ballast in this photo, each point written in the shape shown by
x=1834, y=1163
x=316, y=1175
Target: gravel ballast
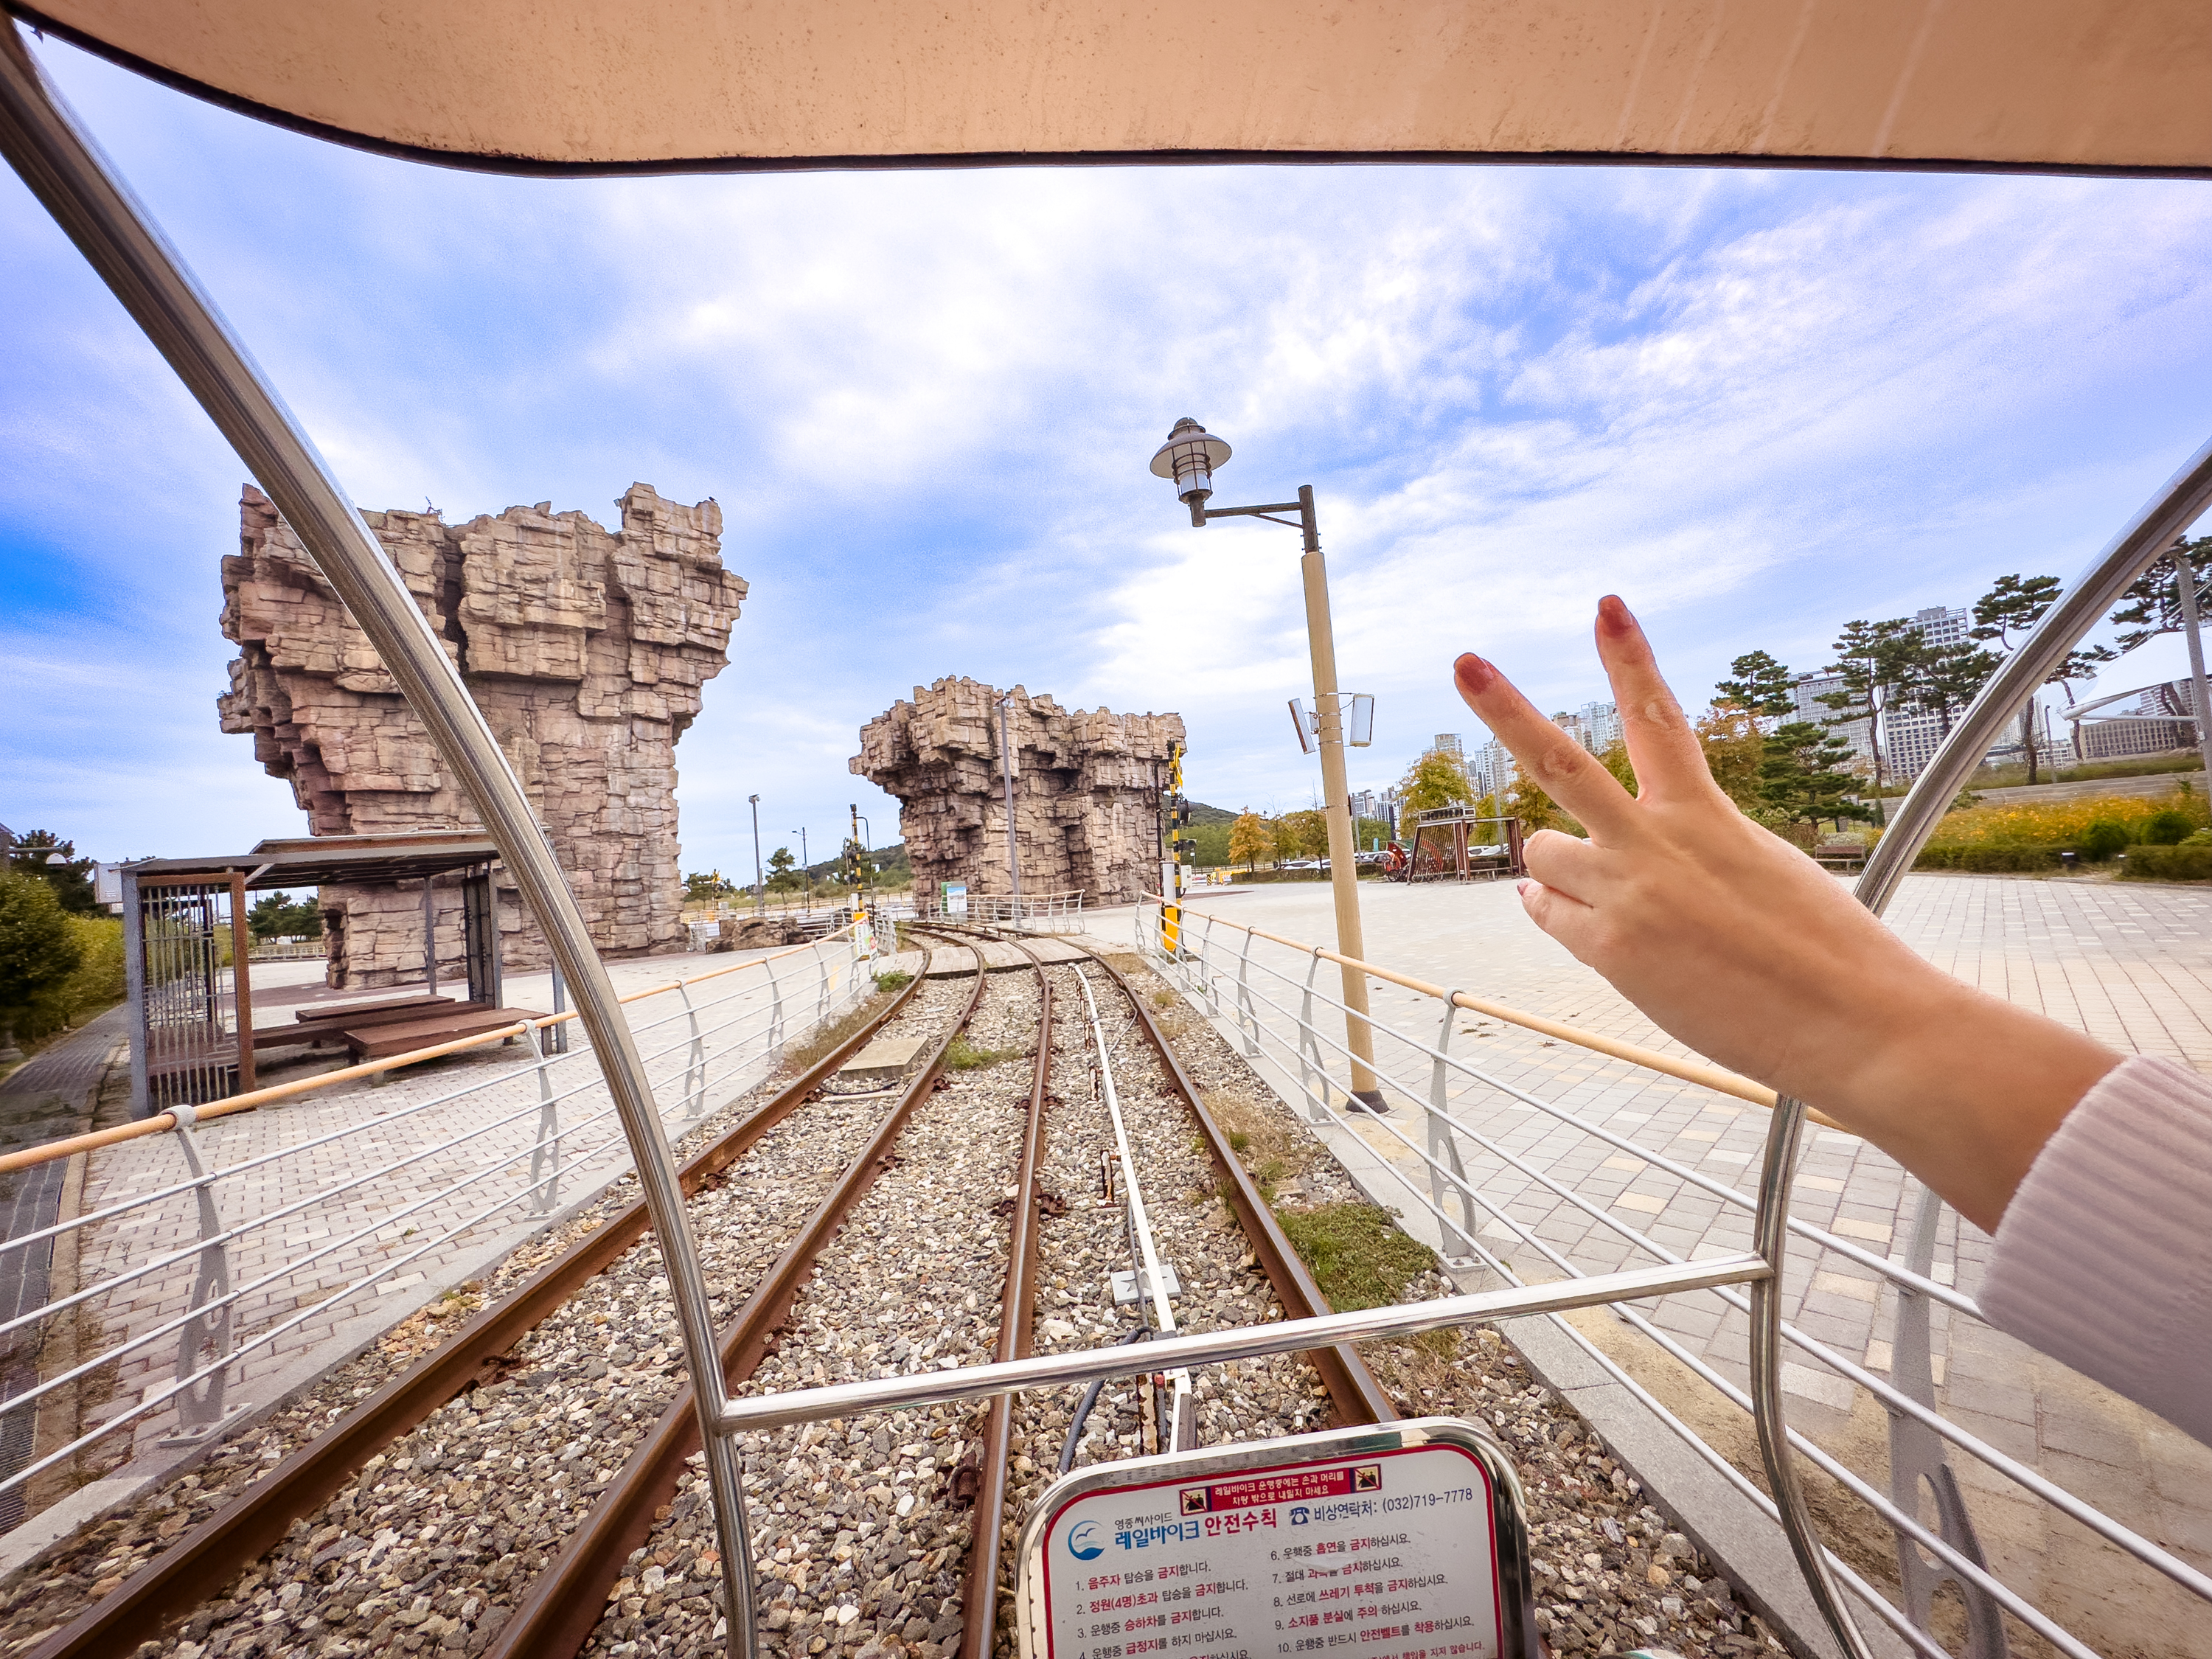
x=862, y=1525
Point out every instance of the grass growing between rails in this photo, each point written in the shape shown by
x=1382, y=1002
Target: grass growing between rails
x=1267, y=1147
x=962, y=1055
x=801, y=1056
x=1356, y=1254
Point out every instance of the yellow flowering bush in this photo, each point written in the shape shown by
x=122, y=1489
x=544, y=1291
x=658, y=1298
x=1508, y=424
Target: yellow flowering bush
x=2060, y=822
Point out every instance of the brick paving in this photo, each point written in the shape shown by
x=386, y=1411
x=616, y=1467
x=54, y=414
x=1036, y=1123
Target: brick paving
x=422, y=1158
x=2130, y=964
x=48, y=1096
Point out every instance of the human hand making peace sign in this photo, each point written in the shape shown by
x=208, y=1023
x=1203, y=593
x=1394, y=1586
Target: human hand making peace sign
x=1736, y=942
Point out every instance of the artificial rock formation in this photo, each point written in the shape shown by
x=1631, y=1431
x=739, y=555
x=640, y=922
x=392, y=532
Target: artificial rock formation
x=1087, y=791
x=586, y=648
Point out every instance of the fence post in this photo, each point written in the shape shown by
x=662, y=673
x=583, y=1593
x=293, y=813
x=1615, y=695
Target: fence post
x=1205, y=971
x=1443, y=1144
x=1310, y=1060
x=545, y=1154
x=200, y=1409
x=775, y=1007
x=1917, y=1454
x=696, y=1063
x=1247, y=1018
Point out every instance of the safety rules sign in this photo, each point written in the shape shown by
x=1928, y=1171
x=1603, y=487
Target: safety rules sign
x=1381, y=1551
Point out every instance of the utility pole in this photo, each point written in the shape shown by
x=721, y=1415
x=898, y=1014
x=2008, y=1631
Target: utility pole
x=760, y=883
x=1011, y=767
x=805, y=868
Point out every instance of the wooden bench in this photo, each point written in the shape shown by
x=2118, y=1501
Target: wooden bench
x=381, y=1041
x=332, y=1025
x=389, y=1005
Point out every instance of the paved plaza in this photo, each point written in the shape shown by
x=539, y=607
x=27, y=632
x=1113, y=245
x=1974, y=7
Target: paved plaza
x=2130, y=964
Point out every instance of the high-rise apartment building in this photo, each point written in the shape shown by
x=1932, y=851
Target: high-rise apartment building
x=1601, y=726
x=1805, y=696
x=1940, y=626
x=1448, y=743
x=1490, y=769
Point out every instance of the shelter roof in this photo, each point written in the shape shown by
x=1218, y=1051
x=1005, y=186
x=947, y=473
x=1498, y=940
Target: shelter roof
x=598, y=86
x=311, y=861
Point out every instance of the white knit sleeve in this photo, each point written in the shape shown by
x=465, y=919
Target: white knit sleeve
x=2104, y=1258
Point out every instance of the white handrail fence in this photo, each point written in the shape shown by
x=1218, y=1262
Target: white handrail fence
x=1462, y=1155
x=274, y=1222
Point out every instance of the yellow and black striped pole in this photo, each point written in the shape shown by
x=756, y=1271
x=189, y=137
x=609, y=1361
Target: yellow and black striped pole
x=1175, y=814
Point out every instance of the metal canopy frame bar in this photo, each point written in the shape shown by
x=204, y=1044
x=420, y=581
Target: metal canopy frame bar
x=75, y=183
x=64, y=170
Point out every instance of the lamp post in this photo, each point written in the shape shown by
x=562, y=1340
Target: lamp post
x=805, y=868
x=1190, y=457
x=760, y=882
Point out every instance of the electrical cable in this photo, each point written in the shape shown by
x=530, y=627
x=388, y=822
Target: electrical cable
x=1137, y=1333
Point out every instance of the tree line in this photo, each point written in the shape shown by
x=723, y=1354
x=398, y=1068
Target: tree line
x=1783, y=769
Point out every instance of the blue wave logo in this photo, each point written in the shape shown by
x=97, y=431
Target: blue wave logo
x=1080, y=1545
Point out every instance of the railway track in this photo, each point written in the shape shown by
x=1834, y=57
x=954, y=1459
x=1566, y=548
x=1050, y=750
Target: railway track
x=941, y=1230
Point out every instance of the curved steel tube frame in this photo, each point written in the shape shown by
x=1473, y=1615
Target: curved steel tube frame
x=65, y=172
x=55, y=158
x=2080, y=606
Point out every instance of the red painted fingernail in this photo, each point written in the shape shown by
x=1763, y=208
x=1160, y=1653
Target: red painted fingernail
x=1474, y=676
x=1522, y=887
x=1613, y=615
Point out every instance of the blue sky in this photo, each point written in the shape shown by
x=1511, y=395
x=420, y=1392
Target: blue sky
x=1756, y=404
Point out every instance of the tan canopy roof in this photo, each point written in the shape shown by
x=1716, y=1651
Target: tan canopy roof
x=646, y=85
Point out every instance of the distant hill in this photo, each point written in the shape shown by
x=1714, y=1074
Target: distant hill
x=1201, y=814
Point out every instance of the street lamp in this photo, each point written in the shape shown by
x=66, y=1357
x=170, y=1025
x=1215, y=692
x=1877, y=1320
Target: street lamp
x=760, y=882
x=1191, y=457
x=806, y=868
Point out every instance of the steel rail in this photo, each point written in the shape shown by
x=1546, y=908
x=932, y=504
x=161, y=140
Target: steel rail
x=1082, y=1365
x=165, y=1590
x=1716, y=1077
x=240, y=1293
x=1893, y=1398
x=1353, y=1389
x=1949, y=1296
x=253, y=1100
x=556, y=1617
x=979, y=1599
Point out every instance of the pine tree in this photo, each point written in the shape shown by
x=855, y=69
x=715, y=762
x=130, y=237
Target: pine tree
x=1762, y=686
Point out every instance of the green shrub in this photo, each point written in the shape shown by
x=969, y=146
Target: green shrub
x=1983, y=859
x=2191, y=861
x=52, y=964
x=2168, y=828
x=893, y=980
x=1356, y=1254
x=2103, y=838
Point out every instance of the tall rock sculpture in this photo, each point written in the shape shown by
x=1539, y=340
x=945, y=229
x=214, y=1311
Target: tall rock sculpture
x=586, y=648
x=1086, y=790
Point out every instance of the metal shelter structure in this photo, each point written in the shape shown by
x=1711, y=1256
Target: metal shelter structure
x=2105, y=87
x=1444, y=847
x=186, y=961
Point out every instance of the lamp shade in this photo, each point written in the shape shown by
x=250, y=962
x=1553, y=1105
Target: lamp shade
x=1190, y=457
